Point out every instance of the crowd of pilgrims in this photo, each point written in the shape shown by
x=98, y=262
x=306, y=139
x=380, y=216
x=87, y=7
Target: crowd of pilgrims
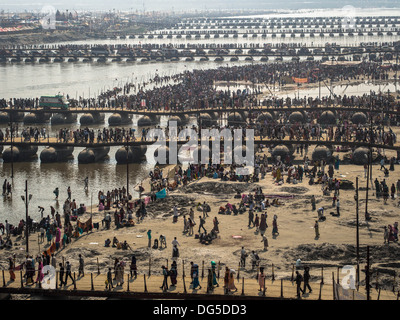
x=196, y=89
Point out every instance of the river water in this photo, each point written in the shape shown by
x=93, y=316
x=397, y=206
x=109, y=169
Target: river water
x=89, y=79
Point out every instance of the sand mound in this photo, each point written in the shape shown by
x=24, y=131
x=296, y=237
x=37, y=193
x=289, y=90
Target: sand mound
x=218, y=188
x=295, y=190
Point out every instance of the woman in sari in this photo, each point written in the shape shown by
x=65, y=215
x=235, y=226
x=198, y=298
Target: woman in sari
x=226, y=278
x=214, y=275
x=261, y=279
x=11, y=268
x=119, y=274
x=173, y=273
x=231, y=283
x=275, y=225
x=196, y=282
x=40, y=275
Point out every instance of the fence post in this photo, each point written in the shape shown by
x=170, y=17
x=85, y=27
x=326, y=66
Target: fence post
x=74, y=282
x=333, y=285
x=91, y=281
x=242, y=286
x=320, y=291
x=273, y=273
x=22, y=285
x=322, y=275
x=238, y=275
x=127, y=289
x=184, y=284
x=264, y=288
x=4, y=280
x=281, y=288
x=149, y=266
x=394, y=280
x=145, y=286
x=292, y=273
x=202, y=271
x=183, y=268
x=98, y=267
x=219, y=267
x=379, y=293
x=337, y=275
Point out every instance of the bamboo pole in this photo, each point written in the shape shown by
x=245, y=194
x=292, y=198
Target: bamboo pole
x=322, y=275
x=74, y=282
x=98, y=266
x=281, y=288
x=145, y=285
x=127, y=289
x=91, y=281
x=184, y=284
x=4, y=280
x=273, y=274
x=202, y=270
x=242, y=286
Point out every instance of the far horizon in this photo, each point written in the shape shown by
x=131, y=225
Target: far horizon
x=193, y=6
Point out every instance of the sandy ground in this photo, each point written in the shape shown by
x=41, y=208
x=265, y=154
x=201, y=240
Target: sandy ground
x=296, y=239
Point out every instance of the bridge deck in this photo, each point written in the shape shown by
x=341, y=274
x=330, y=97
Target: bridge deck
x=54, y=142
x=196, y=111
x=145, y=286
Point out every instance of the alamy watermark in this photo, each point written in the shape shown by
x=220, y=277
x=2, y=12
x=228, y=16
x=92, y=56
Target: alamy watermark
x=235, y=150
x=48, y=20
x=349, y=18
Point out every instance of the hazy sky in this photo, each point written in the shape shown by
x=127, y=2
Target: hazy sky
x=178, y=5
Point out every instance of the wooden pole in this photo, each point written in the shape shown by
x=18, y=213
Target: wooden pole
x=127, y=289
x=22, y=284
x=219, y=267
x=320, y=291
x=238, y=272
x=98, y=267
x=145, y=286
x=273, y=274
x=367, y=275
x=184, y=284
x=202, y=270
x=337, y=275
x=56, y=280
x=4, y=280
x=292, y=273
x=333, y=285
x=74, y=282
x=91, y=281
x=149, y=266
x=379, y=293
x=322, y=275
x=357, y=236
x=394, y=281
x=264, y=288
x=242, y=286
x=377, y=281
x=183, y=268
x=281, y=288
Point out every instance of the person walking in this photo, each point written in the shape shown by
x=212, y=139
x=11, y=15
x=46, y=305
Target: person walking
x=109, y=281
x=81, y=266
x=316, y=228
x=306, y=278
x=299, y=280
x=61, y=274
x=265, y=240
x=164, y=285
x=195, y=275
x=261, y=279
x=231, y=283
x=338, y=207
x=313, y=202
x=68, y=273
x=251, y=218
x=149, y=238
x=133, y=267
x=201, y=225
x=243, y=256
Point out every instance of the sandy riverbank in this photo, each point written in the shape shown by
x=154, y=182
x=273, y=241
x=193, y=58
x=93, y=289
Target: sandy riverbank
x=335, y=247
